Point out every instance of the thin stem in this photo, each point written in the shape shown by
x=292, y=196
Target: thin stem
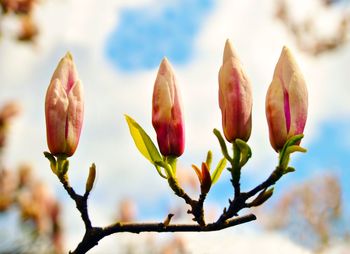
x=80, y=202
x=173, y=183
x=196, y=206
x=160, y=227
x=271, y=180
x=198, y=210
x=239, y=202
x=236, y=169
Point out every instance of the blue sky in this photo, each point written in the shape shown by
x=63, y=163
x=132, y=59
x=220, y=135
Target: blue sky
x=143, y=36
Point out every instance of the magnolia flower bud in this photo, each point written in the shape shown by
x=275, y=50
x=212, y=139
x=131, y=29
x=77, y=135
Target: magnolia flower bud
x=286, y=101
x=235, y=97
x=64, y=109
x=167, y=118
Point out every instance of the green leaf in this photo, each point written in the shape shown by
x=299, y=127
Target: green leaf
x=172, y=161
x=64, y=169
x=167, y=168
x=262, y=197
x=53, y=163
x=292, y=141
x=218, y=170
x=160, y=172
x=287, y=150
x=209, y=159
x=295, y=148
x=222, y=143
x=246, y=152
x=295, y=139
x=143, y=142
x=289, y=170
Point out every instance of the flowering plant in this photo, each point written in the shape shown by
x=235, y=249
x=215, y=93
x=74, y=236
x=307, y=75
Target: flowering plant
x=286, y=111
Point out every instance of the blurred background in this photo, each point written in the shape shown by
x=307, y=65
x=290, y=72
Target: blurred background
x=117, y=47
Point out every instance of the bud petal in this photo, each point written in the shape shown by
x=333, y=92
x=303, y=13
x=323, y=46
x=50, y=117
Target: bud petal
x=64, y=109
x=66, y=72
x=286, y=101
x=75, y=116
x=167, y=118
x=206, y=179
x=235, y=97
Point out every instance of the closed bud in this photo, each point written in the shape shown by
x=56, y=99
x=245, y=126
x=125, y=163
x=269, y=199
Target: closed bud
x=235, y=97
x=286, y=101
x=64, y=108
x=262, y=197
x=91, y=178
x=167, y=118
x=204, y=177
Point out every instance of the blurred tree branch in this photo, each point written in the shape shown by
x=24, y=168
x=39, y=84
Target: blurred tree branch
x=316, y=205
x=20, y=191
x=23, y=10
x=305, y=32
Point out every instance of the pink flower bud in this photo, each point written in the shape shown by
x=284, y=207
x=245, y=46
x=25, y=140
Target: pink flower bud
x=167, y=118
x=64, y=109
x=286, y=101
x=235, y=97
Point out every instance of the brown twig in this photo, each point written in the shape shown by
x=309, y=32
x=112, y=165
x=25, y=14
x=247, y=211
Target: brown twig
x=94, y=234
x=239, y=201
x=80, y=202
x=236, y=170
x=196, y=205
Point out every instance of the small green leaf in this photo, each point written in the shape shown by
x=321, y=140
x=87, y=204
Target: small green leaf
x=222, y=143
x=172, y=161
x=218, y=170
x=142, y=141
x=295, y=148
x=160, y=172
x=246, y=152
x=289, y=170
x=53, y=163
x=292, y=141
x=262, y=197
x=295, y=139
x=284, y=154
x=209, y=159
x=167, y=167
x=64, y=169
